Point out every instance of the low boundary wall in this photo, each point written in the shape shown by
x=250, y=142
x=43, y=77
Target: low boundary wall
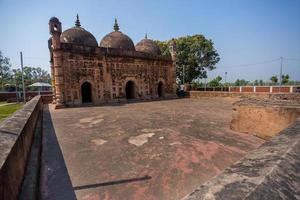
x=16, y=135
x=31, y=162
x=269, y=172
x=5, y=96
x=256, y=89
x=283, y=96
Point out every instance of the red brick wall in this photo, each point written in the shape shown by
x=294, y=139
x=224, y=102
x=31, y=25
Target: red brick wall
x=4, y=96
x=234, y=89
x=247, y=89
x=282, y=89
x=263, y=89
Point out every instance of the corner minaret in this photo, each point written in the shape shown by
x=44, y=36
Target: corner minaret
x=55, y=32
x=172, y=49
x=56, y=62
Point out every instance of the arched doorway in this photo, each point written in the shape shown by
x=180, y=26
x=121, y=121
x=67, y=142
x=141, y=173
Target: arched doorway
x=130, y=90
x=86, y=92
x=160, y=89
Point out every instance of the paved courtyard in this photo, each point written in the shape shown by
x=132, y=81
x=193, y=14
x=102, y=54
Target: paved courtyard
x=149, y=150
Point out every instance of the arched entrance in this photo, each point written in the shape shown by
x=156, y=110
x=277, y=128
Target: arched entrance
x=130, y=90
x=86, y=92
x=160, y=89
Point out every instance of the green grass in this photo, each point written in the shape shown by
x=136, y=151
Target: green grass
x=2, y=102
x=7, y=110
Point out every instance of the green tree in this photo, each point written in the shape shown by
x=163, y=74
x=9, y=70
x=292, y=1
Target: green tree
x=241, y=82
x=256, y=82
x=196, y=84
x=215, y=82
x=5, y=73
x=285, y=79
x=261, y=82
x=194, y=56
x=274, y=79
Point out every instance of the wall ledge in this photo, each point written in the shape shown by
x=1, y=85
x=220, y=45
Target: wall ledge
x=16, y=134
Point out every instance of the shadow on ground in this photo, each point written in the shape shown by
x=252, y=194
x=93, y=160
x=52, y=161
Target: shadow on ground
x=82, y=187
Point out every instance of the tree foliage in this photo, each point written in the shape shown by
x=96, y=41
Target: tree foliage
x=285, y=79
x=274, y=79
x=241, y=82
x=194, y=56
x=261, y=82
x=10, y=76
x=5, y=73
x=215, y=82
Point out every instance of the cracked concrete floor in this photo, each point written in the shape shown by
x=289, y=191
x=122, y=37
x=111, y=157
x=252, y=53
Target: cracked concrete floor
x=148, y=150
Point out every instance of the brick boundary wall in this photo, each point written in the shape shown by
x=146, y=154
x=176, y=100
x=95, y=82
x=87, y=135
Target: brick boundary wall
x=254, y=89
x=263, y=95
x=266, y=89
x=269, y=172
x=5, y=96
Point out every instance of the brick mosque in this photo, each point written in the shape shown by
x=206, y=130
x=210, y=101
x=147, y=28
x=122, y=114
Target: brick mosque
x=84, y=71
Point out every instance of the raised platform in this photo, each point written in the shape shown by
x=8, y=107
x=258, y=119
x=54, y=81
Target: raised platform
x=178, y=144
x=146, y=150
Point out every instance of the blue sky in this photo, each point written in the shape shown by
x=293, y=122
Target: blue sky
x=244, y=31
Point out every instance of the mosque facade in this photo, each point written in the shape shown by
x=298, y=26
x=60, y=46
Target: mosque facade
x=84, y=71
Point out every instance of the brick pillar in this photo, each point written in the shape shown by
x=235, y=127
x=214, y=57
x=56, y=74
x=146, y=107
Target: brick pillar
x=59, y=78
x=172, y=49
x=53, y=83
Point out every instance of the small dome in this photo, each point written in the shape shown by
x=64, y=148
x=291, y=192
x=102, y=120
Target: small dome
x=117, y=39
x=78, y=35
x=148, y=46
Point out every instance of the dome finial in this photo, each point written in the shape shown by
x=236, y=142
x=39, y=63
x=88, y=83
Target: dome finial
x=77, y=22
x=116, y=26
x=146, y=36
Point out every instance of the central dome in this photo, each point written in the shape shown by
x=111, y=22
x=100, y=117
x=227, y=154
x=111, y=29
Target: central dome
x=117, y=39
x=78, y=35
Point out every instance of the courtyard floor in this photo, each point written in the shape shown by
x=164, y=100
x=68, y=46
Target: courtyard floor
x=158, y=150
